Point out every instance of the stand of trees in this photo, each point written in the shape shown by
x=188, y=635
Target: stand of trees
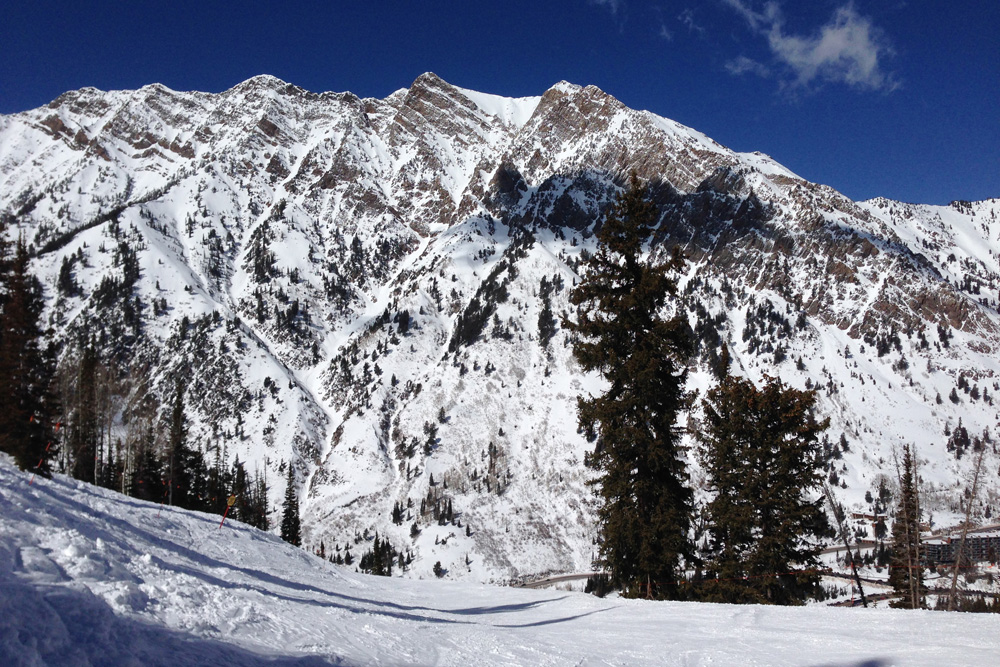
x=760, y=447
x=117, y=436
x=97, y=424
x=380, y=559
x=28, y=406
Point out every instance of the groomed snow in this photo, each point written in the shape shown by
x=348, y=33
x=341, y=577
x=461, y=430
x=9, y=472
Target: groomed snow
x=91, y=577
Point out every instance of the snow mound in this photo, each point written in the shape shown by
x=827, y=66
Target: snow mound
x=91, y=577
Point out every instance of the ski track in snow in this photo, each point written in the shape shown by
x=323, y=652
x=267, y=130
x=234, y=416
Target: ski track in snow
x=90, y=577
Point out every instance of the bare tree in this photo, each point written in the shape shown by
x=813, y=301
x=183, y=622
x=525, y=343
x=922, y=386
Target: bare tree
x=838, y=514
x=965, y=529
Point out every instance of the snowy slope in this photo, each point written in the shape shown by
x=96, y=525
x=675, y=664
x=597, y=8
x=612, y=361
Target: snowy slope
x=284, y=237
x=88, y=577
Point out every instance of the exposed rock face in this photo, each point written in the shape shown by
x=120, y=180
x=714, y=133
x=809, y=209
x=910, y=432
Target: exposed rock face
x=353, y=286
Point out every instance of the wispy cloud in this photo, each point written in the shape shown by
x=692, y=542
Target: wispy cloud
x=686, y=18
x=613, y=6
x=848, y=49
x=743, y=65
x=757, y=20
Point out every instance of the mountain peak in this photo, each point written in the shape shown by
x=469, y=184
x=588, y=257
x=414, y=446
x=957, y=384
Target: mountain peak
x=376, y=270
x=565, y=87
x=265, y=80
x=429, y=80
x=261, y=82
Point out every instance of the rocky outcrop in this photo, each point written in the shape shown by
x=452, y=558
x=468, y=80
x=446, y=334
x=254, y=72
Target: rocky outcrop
x=354, y=286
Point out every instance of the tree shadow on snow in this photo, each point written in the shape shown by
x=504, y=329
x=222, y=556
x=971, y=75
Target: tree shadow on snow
x=369, y=606
x=72, y=626
x=114, y=530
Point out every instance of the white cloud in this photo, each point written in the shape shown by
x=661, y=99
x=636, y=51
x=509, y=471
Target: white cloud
x=848, y=49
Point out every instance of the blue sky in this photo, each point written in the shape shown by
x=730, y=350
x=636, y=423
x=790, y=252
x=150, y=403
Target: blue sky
x=872, y=97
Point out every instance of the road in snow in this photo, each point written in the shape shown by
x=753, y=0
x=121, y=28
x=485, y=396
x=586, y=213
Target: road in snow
x=91, y=577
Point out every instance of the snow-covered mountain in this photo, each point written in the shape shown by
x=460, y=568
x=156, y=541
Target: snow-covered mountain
x=89, y=577
x=355, y=286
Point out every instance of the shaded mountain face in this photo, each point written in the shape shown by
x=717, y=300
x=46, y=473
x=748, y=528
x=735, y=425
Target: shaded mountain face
x=356, y=287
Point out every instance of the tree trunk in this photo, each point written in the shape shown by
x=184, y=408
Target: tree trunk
x=965, y=531
x=847, y=547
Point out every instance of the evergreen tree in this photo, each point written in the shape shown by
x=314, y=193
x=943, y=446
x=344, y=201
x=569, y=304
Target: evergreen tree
x=906, y=575
x=186, y=473
x=251, y=497
x=82, y=430
x=28, y=408
x=258, y=502
x=764, y=462
x=430, y=430
x=175, y=442
x=146, y=478
x=290, y=526
x=238, y=488
x=67, y=283
x=219, y=484
x=196, y=474
x=546, y=320
x=111, y=471
x=622, y=334
x=376, y=561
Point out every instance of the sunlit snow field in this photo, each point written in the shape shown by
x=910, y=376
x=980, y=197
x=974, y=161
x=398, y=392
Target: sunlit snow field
x=91, y=577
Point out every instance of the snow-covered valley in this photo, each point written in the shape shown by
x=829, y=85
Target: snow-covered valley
x=354, y=288
x=89, y=577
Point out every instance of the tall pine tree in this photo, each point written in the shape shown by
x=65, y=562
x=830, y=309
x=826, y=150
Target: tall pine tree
x=764, y=465
x=82, y=428
x=906, y=575
x=291, y=529
x=176, y=443
x=255, y=503
x=185, y=469
x=28, y=408
x=145, y=475
x=622, y=334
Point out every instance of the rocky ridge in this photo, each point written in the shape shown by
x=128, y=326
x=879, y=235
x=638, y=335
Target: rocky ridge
x=354, y=286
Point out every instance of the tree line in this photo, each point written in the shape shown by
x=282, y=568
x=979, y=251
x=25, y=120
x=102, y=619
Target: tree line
x=102, y=425
x=758, y=537
x=756, y=540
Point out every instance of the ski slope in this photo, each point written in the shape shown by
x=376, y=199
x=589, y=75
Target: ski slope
x=89, y=577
